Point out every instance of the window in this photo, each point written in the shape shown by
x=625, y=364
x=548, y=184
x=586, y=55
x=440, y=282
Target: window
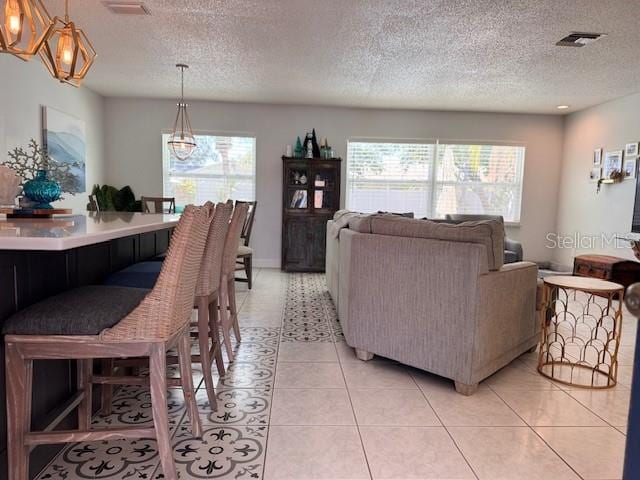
x=222, y=167
x=432, y=179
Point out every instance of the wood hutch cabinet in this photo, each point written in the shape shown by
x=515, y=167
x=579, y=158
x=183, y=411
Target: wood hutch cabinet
x=310, y=197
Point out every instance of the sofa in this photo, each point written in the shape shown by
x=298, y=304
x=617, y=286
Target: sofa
x=431, y=295
x=512, y=248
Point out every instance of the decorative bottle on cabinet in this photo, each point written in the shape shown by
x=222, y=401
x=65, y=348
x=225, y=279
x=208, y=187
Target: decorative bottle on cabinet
x=306, y=208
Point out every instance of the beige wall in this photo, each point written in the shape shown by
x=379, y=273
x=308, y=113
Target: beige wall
x=581, y=211
x=133, y=151
x=28, y=86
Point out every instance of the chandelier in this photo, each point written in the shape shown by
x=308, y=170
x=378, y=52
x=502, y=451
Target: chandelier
x=182, y=142
x=24, y=26
x=66, y=51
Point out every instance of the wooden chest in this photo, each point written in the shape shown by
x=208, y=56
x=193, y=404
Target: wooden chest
x=606, y=267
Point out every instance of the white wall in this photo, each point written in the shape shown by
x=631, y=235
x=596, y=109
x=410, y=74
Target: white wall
x=134, y=157
x=581, y=210
x=25, y=87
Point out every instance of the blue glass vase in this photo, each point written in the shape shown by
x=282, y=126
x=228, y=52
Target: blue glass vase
x=41, y=190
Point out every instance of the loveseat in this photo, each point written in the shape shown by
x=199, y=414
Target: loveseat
x=431, y=295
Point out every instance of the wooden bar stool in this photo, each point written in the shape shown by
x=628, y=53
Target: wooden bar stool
x=206, y=300
x=94, y=322
x=228, y=310
x=206, y=303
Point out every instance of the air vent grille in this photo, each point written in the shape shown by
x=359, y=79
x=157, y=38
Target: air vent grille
x=126, y=8
x=579, y=39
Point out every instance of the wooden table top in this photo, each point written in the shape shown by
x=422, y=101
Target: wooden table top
x=585, y=284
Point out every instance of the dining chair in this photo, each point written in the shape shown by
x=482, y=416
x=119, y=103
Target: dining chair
x=227, y=297
x=93, y=205
x=158, y=204
x=245, y=252
x=109, y=322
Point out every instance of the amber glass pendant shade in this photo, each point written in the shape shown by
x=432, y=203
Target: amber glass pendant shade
x=24, y=26
x=182, y=142
x=67, y=52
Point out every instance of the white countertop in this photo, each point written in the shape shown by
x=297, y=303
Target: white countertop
x=70, y=231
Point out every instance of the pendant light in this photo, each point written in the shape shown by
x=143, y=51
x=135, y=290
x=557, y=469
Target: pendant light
x=67, y=52
x=24, y=26
x=182, y=142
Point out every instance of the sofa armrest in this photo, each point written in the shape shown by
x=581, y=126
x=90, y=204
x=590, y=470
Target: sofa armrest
x=514, y=246
x=506, y=316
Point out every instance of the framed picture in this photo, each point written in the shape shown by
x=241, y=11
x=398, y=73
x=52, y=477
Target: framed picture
x=597, y=157
x=612, y=163
x=595, y=174
x=64, y=139
x=631, y=150
x=629, y=168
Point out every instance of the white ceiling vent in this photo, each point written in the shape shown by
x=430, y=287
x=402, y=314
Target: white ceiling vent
x=126, y=8
x=580, y=39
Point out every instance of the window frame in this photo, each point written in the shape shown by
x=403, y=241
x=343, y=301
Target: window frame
x=437, y=142
x=212, y=133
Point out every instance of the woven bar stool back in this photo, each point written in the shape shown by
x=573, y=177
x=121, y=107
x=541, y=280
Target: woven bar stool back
x=209, y=278
x=228, y=311
x=167, y=308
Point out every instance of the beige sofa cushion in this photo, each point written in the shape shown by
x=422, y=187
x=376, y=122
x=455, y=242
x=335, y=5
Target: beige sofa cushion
x=489, y=233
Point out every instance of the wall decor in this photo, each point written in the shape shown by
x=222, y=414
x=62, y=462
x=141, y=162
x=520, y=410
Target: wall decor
x=597, y=157
x=631, y=149
x=612, y=164
x=595, y=174
x=630, y=167
x=64, y=141
x=27, y=162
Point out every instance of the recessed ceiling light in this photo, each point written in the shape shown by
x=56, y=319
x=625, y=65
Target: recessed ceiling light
x=562, y=107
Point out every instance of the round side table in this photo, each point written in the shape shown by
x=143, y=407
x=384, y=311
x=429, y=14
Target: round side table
x=581, y=328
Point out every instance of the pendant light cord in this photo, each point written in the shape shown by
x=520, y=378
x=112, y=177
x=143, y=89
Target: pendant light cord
x=66, y=11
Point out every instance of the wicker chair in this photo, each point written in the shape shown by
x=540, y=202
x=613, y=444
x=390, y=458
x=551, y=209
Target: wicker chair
x=228, y=310
x=206, y=299
x=158, y=322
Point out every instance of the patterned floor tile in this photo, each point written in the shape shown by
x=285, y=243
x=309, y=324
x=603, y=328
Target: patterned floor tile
x=236, y=407
x=223, y=452
x=247, y=375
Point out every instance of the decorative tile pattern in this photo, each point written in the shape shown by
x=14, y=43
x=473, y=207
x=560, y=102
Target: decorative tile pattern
x=236, y=407
x=229, y=452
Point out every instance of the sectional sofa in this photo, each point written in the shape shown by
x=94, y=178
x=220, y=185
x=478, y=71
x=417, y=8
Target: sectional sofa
x=435, y=296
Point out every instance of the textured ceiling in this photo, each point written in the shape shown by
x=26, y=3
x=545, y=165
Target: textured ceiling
x=488, y=55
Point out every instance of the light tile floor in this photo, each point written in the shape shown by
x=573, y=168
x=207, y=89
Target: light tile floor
x=297, y=404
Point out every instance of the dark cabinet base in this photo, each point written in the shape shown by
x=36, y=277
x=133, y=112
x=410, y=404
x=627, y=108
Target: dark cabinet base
x=29, y=276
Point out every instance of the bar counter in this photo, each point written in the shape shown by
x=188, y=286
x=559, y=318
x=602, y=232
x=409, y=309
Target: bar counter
x=43, y=257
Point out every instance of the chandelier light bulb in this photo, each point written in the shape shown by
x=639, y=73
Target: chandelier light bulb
x=13, y=20
x=64, y=53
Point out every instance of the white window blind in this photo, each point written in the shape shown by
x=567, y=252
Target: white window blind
x=221, y=168
x=395, y=177
x=433, y=179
